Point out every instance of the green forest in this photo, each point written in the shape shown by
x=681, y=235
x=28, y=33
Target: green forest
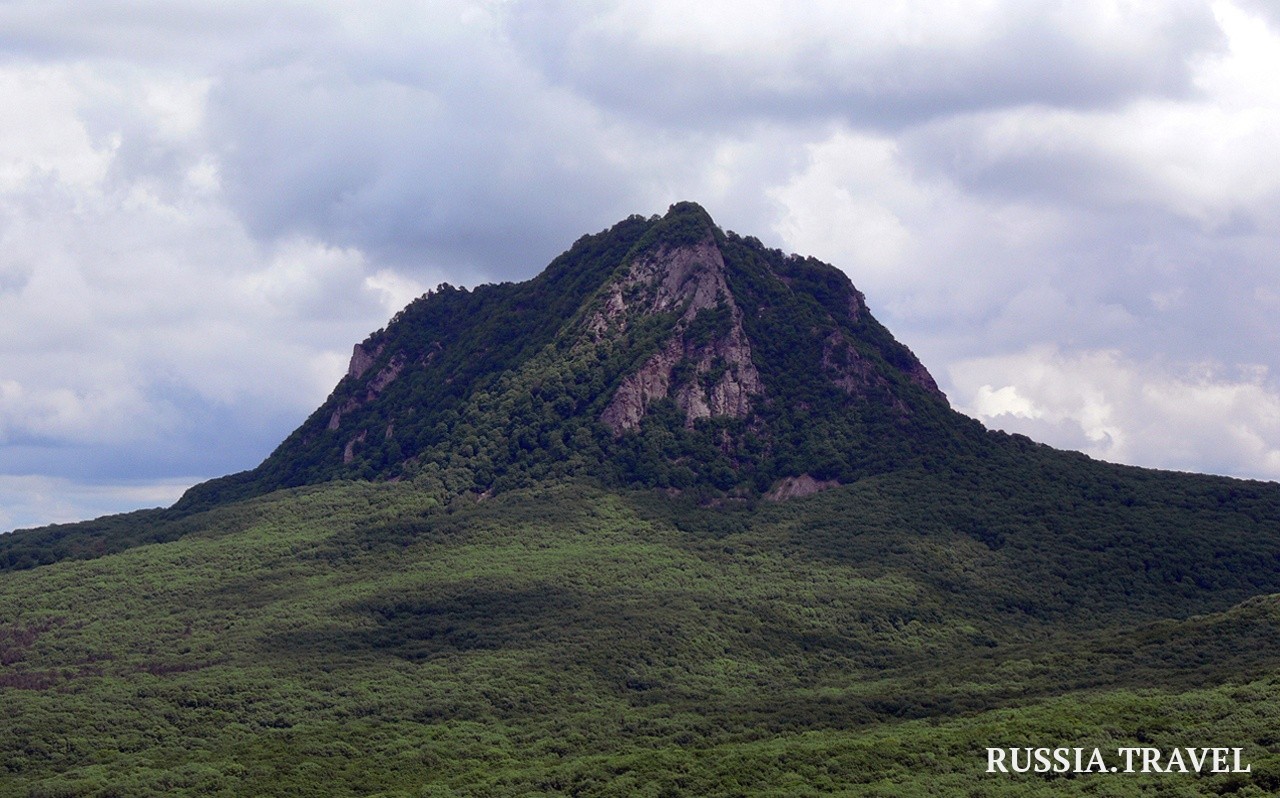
x=364, y=639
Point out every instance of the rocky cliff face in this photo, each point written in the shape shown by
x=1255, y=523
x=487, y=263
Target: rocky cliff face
x=707, y=372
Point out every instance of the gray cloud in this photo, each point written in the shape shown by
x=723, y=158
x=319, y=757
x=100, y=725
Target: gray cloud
x=408, y=130
x=483, y=180
x=196, y=33
x=203, y=205
x=880, y=67
x=1265, y=9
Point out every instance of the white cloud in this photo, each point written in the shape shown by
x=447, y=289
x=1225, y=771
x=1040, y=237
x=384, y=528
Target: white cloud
x=101, y=411
x=1145, y=413
x=41, y=135
x=1210, y=157
x=395, y=290
x=928, y=255
x=1148, y=225
x=302, y=278
x=135, y=305
x=876, y=64
x=850, y=202
x=991, y=402
x=27, y=501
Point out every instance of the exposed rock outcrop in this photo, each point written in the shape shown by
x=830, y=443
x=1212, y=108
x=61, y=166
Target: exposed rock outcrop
x=724, y=378
x=335, y=420
x=795, y=487
x=852, y=373
x=349, y=453
x=921, y=376
x=641, y=389
x=711, y=374
x=857, y=304
x=664, y=280
x=385, y=376
x=848, y=368
x=362, y=359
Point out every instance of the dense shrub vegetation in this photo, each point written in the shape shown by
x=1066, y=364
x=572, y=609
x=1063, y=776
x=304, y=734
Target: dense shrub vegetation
x=364, y=638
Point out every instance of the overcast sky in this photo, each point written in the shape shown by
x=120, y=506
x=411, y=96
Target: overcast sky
x=1069, y=210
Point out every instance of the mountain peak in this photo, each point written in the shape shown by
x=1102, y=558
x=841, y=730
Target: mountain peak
x=684, y=222
x=661, y=352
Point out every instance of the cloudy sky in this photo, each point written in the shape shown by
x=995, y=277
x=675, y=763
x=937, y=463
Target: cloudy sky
x=1069, y=210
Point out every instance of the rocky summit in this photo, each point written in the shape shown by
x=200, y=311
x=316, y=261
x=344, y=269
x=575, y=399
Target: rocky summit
x=662, y=352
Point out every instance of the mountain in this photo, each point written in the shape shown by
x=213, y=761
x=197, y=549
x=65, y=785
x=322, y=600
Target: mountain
x=662, y=352
x=675, y=517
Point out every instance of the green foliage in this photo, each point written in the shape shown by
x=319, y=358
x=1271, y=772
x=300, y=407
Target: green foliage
x=28, y=548
x=685, y=224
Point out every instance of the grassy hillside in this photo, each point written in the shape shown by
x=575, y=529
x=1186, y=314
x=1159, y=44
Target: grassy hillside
x=361, y=639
